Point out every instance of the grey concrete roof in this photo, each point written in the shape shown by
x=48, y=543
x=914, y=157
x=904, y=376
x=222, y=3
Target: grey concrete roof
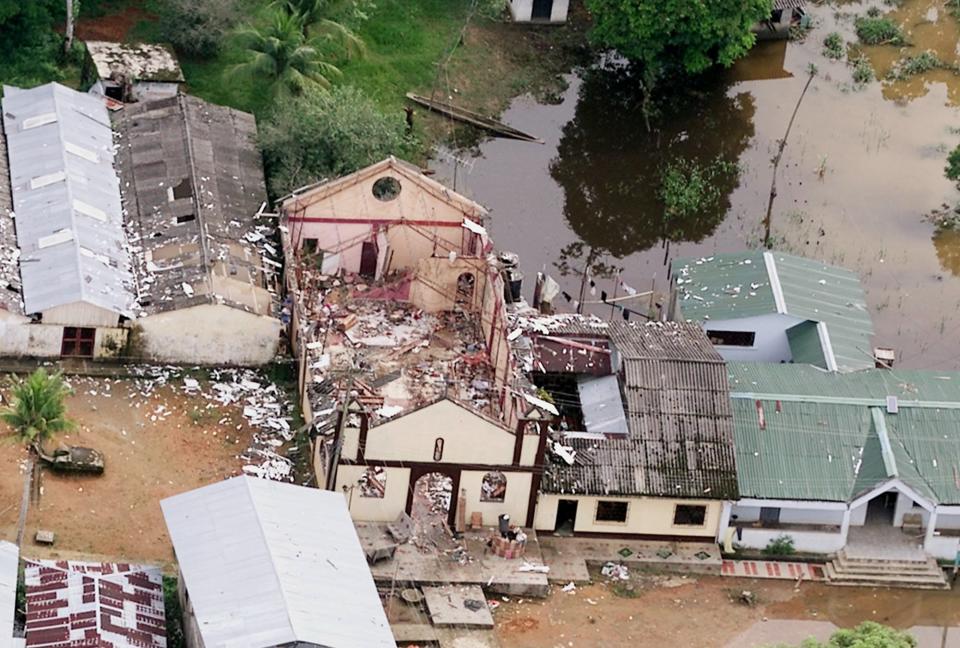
x=67, y=200
x=135, y=61
x=267, y=563
x=9, y=567
x=192, y=184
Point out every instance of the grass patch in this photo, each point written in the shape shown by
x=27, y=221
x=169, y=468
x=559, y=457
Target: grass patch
x=862, y=70
x=877, y=30
x=833, y=46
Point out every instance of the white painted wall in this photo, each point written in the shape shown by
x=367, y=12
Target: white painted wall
x=80, y=314
x=944, y=548
x=790, y=515
x=152, y=90
x=210, y=334
x=858, y=515
x=770, y=344
x=806, y=541
x=21, y=338
x=645, y=515
x=522, y=10
x=514, y=503
x=374, y=509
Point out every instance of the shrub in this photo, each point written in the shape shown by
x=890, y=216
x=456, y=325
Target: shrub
x=916, y=64
x=862, y=70
x=952, y=169
x=326, y=134
x=878, y=31
x=782, y=545
x=197, y=27
x=833, y=46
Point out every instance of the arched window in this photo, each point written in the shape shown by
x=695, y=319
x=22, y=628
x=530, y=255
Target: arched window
x=494, y=487
x=438, y=449
x=373, y=482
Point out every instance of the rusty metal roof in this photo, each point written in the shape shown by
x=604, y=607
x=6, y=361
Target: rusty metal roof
x=192, y=185
x=601, y=467
x=94, y=604
x=135, y=61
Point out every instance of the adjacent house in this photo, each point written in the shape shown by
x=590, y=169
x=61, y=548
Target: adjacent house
x=129, y=72
x=491, y=468
x=380, y=219
x=9, y=570
x=784, y=15
x=72, y=603
x=193, y=188
x=860, y=462
x=266, y=564
x=77, y=285
x=646, y=443
x=765, y=306
x=540, y=11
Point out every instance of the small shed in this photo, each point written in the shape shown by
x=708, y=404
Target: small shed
x=132, y=71
x=266, y=564
x=539, y=11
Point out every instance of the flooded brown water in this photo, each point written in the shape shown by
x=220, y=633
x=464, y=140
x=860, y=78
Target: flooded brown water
x=862, y=171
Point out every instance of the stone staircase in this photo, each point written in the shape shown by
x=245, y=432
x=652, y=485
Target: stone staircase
x=876, y=572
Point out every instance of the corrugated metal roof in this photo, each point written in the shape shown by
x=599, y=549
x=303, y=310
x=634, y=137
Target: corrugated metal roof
x=601, y=467
x=823, y=434
x=192, y=186
x=736, y=285
x=806, y=347
x=67, y=200
x=788, y=4
x=9, y=567
x=9, y=252
x=602, y=405
x=267, y=563
x=94, y=604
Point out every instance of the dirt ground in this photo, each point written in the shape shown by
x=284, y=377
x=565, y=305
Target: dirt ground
x=111, y=27
x=700, y=611
x=153, y=447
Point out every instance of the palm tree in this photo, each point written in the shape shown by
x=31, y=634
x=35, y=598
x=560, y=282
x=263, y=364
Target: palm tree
x=317, y=25
x=281, y=54
x=38, y=410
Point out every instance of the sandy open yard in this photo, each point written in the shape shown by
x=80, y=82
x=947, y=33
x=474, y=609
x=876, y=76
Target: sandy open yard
x=157, y=439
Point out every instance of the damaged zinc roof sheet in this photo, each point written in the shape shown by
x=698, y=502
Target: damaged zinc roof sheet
x=9, y=252
x=193, y=185
x=67, y=200
x=260, y=572
x=135, y=61
x=600, y=467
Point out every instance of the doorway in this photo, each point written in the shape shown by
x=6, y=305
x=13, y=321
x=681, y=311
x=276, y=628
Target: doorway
x=566, y=517
x=368, y=259
x=881, y=508
x=542, y=10
x=77, y=342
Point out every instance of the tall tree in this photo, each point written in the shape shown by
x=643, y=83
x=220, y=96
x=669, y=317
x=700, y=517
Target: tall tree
x=692, y=35
x=322, y=20
x=283, y=56
x=38, y=410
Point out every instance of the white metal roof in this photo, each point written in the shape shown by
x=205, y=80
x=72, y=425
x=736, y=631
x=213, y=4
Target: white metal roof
x=267, y=563
x=66, y=197
x=9, y=563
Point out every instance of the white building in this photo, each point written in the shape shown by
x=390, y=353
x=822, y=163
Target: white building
x=132, y=71
x=541, y=11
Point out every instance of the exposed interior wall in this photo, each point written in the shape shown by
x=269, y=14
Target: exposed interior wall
x=770, y=343
x=515, y=501
x=467, y=437
x=152, y=90
x=374, y=509
x=210, y=334
x=434, y=287
x=80, y=314
x=645, y=515
x=522, y=10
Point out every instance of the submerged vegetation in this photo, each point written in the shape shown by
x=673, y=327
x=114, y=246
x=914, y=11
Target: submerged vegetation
x=876, y=30
x=833, y=46
x=910, y=66
x=862, y=70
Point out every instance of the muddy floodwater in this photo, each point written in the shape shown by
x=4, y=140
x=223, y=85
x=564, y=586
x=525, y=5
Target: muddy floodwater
x=860, y=176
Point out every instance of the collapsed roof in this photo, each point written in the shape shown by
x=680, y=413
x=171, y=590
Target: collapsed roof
x=193, y=187
x=135, y=61
x=66, y=198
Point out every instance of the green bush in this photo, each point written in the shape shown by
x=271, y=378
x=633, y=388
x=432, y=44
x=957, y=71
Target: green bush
x=833, y=46
x=862, y=70
x=197, y=27
x=879, y=31
x=952, y=170
x=324, y=135
x=171, y=602
x=908, y=66
x=782, y=545
x=30, y=49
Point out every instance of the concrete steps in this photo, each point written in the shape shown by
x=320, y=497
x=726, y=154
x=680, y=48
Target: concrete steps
x=866, y=572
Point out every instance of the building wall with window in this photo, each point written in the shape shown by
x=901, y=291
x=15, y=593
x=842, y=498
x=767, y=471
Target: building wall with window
x=770, y=342
x=645, y=516
x=552, y=11
x=22, y=338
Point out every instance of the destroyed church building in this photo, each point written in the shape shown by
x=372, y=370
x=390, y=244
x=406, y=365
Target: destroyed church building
x=168, y=264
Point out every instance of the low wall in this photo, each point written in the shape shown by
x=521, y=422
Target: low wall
x=805, y=541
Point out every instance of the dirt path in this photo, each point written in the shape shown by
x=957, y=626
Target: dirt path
x=154, y=446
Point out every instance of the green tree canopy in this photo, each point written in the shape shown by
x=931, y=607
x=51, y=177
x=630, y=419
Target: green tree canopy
x=692, y=35
x=866, y=635
x=324, y=135
x=37, y=411
x=29, y=46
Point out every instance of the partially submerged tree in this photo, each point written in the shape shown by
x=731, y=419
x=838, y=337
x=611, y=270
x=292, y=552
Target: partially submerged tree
x=866, y=635
x=691, y=35
x=37, y=411
x=952, y=170
x=283, y=56
x=324, y=135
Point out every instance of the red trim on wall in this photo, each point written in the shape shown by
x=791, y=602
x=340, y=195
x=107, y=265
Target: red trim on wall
x=375, y=221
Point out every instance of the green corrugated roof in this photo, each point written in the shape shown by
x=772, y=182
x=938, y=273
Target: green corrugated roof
x=731, y=286
x=824, y=433
x=805, y=345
